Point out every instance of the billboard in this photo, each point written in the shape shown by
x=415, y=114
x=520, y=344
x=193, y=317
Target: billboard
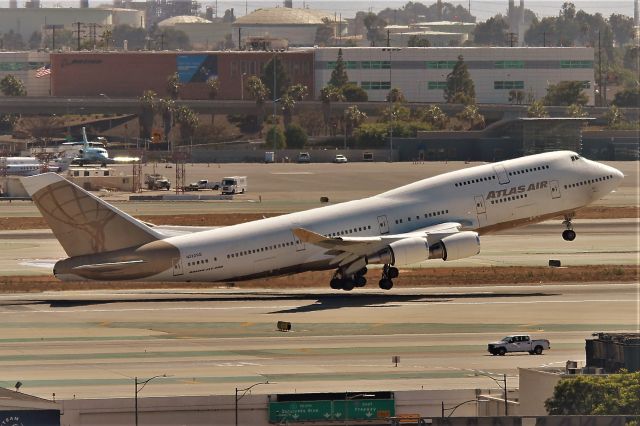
x=196, y=68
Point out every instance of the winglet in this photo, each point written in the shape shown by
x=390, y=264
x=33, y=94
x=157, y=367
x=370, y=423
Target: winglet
x=309, y=236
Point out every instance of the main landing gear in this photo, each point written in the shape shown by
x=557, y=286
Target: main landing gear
x=341, y=282
x=348, y=283
x=568, y=234
x=388, y=274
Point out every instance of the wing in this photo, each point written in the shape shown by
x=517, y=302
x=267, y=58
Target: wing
x=347, y=250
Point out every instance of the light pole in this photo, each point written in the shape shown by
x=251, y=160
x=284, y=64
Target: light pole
x=502, y=386
x=137, y=390
x=348, y=398
x=244, y=392
x=391, y=115
x=244, y=74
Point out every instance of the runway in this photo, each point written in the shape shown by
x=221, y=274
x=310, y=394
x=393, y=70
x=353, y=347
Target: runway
x=92, y=344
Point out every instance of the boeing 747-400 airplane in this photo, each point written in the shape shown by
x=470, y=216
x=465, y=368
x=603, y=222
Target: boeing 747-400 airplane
x=441, y=217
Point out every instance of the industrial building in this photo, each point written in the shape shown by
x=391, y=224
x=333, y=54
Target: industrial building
x=421, y=73
x=26, y=21
x=297, y=26
x=129, y=74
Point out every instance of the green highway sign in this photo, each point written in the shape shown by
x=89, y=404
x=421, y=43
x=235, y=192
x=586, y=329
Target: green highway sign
x=340, y=410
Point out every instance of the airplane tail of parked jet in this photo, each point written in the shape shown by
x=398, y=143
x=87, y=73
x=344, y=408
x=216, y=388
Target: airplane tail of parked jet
x=83, y=223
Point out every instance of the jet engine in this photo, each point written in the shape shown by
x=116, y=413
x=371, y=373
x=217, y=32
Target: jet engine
x=416, y=249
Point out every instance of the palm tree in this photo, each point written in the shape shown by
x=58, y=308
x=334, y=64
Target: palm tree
x=213, y=85
x=258, y=92
x=537, y=110
x=327, y=95
x=577, y=111
x=147, y=111
x=434, y=116
x=173, y=85
x=472, y=116
x=166, y=107
x=294, y=94
x=353, y=119
x=188, y=121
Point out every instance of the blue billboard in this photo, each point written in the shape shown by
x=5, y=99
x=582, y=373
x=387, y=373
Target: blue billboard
x=196, y=68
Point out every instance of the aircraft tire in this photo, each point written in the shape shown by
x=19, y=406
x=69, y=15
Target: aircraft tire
x=348, y=285
x=393, y=273
x=385, y=284
x=569, y=235
x=336, y=284
x=360, y=281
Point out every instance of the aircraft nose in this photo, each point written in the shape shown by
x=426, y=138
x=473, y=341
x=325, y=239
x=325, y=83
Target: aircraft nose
x=617, y=174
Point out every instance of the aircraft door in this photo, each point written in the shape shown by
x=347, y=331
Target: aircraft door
x=555, y=189
x=481, y=210
x=177, y=267
x=299, y=243
x=383, y=224
x=503, y=176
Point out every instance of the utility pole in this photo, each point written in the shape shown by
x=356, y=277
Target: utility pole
x=78, y=31
x=544, y=39
x=599, y=72
x=162, y=35
x=512, y=38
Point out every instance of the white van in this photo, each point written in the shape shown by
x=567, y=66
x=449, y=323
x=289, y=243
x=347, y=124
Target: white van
x=234, y=185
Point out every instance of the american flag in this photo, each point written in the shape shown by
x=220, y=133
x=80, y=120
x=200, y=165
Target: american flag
x=43, y=71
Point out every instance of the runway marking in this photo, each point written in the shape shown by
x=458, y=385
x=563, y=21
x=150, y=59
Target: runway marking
x=292, y=173
x=219, y=308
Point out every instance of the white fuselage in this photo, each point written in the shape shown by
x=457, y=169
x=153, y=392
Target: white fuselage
x=483, y=199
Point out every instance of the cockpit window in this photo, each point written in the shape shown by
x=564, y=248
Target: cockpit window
x=575, y=157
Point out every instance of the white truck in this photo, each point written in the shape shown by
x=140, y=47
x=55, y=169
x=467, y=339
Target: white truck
x=234, y=185
x=518, y=343
x=203, y=184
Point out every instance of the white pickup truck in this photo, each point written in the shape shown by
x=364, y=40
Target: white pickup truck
x=518, y=343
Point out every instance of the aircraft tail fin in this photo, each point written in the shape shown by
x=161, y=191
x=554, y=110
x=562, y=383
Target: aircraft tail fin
x=83, y=223
x=84, y=138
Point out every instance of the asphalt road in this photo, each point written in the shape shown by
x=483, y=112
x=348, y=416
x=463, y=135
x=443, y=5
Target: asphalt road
x=91, y=344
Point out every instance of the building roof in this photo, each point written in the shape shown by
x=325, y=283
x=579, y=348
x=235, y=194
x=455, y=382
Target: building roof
x=282, y=16
x=183, y=19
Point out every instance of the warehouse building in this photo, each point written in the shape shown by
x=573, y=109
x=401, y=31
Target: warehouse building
x=129, y=74
x=421, y=73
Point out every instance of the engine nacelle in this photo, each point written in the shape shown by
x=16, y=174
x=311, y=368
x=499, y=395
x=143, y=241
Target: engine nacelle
x=456, y=246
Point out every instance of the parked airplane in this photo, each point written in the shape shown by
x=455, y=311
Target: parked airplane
x=91, y=154
x=27, y=166
x=436, y=218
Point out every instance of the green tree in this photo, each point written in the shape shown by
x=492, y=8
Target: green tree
x=354, y=93
x=629, y=98
x=353, y=119
x=295, y=136
x=188, y=121
x=395, y=95
x=339, y=75
x=375, y=28
x=135, y=37
x=492, y=32
x=106, y=39
x=576, y=111
x=275, y=137
x=148, y=103
x=64, y=39
x=281, y=78
x=173, y=85
x=325, y=32
x=630, y=60
x=312, y=122
x=12, y=41
x=418, y=41
x=434, y=116
x=371, y=135
x=35, y=41
x=566, y=93
x=471, y=115
x=614, y=394
x=537, y=110
x=614, y=116
x=460, y=87
x=622, y=27
x=12, y=86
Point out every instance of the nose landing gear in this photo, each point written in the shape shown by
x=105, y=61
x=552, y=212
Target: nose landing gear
x=568, y=234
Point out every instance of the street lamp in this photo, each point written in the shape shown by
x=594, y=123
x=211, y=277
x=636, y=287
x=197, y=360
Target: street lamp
x=452, y=409
x=502, y=386
x=244, y=74
x=244, y=392
x=347, y=398
x=137, y=390
x=391, y=115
